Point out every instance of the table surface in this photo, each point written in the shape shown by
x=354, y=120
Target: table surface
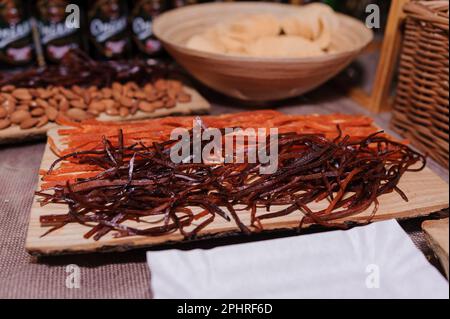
x=123, y=275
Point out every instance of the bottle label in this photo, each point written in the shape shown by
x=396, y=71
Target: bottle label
x=14, y=33
x=16, y=45
x=55, y=31
x=108, y=23
x=103, y=30
x=143, y=14
x=142, y=28
x=57, y=38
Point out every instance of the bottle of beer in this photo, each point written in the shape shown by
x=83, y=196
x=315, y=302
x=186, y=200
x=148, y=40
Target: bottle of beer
x=16, y=40
x=57, y=37
x=108, y=29
x=141, y=21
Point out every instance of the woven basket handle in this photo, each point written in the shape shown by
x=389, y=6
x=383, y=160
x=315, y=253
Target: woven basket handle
x=435, y=12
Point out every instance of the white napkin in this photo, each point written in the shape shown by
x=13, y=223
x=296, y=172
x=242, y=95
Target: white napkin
x=375, y=261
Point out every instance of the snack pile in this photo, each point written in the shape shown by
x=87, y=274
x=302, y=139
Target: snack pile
x=120, y=178
x=81, y=88
x=36, y=107
x=307, y=32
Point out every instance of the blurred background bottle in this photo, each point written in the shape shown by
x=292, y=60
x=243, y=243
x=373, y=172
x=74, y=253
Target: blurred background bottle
x=16, y=41
x=56, y=37
x=107, y=29
x=142, y=15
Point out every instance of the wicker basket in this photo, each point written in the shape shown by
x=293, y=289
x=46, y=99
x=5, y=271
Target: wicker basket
x=421, y=111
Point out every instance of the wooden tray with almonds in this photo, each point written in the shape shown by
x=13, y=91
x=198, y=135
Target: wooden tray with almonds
x=196, y=105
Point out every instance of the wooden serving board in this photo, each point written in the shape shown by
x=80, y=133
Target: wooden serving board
x=427, y=193
x=198, y=105
x=437, y=235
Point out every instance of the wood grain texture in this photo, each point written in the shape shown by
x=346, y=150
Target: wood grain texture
x=250, y=78
x=437, y=234
x=198, y=105
x=427, y=193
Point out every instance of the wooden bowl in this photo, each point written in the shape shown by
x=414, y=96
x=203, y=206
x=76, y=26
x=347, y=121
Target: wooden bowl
x=251, y=78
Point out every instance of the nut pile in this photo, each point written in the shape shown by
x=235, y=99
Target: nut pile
x=35, y=107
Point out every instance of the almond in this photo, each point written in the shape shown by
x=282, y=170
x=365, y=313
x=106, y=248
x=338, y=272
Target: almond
x=129, y=93
x=59, y=97
x=109, y=103
x=37, y=112
x=161, y=94
x=55, y=90
x=134, y=109
x=126, y=101
x=29, y=123
x=151, y=97
x=117, y=95
x=77, y=114
x=3, y=113
x=63, y=105
x=170, y=103
x=77, y=90
x=8, y=98
x=139, y=95
x=97, y=95
x=43, y=120
x=161, y=85
x=42, y=103
x=79, y=104
x=53, y=102
x=106, y=93
x=158, y=104
x=44, y=94
x=124, y=112
x=52, y=113
x=19, y=116
x=184, y=98
x=94, y=112
x=4, y=124
x=172, y=93
x=175, y=85
x=33, y=92
x=131, y=86
x=9, y=105
x=146, y=106
x=117, y=87
x=8, y=88
x=24, y=107
x=98, y=106
x=149, y=89
x=112, y=111
x=68, y=94
x=87, y=97
x=22, y=94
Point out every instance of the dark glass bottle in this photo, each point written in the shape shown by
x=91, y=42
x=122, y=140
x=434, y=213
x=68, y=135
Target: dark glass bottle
x=107, y=29
x=16, y=40
x=57, y=37
x=141, y=21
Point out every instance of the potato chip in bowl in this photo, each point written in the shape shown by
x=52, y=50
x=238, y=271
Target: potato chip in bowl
x=305, y=33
